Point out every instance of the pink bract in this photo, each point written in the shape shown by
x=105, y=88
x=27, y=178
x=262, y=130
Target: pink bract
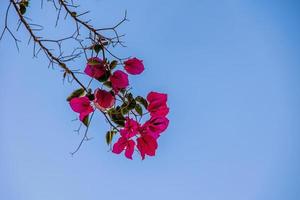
x=131, y=128
x=82, y=106
x=156, y=96
x=156, y=125
x=103, y=99
x=134, y=66
x=124, y=144
x=147, y=145
x=119, y=80
x=95, y=67
x=157, y=104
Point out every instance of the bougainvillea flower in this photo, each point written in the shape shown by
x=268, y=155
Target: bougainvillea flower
x=103, y=99
x=156, y=125
x=156, y=96
x=157, y=109
x=119, y=80
x=95, y=67
x=124, y=144
x=131, y=128
x=82, y=106
x=147, y=145
x=157, y=104
x=134, y=66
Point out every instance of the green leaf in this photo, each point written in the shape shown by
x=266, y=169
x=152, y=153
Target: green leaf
x=107, y=84
x=123, y=91
x=139, y=109
x=22, y=9
x=111, y=111
x=116, y=116
x=76, y=93
x=129, y=97
x=73, y=14
x=131, y=102
x=97, y=48
x=109, y=136
x=120, y=121
x=142, y=100
x=86, y=121
x=113, y=64
x=131, y=105
x=124, y=110
x=25, y=3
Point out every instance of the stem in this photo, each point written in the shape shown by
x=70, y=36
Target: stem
x=84, y=136
x=45, y=49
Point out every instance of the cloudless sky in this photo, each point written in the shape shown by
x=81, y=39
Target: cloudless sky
x=231, y=69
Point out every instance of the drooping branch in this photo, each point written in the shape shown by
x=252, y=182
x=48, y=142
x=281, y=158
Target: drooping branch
x=112, y=98
x=47, y=52
x=96, y=36
x=59, y=60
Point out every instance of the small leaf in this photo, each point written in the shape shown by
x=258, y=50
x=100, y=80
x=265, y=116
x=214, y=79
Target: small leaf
x=139, y=109
x=107, y=84
x=90, y=96
x=120, y=122
x=76, y=93
x=131, y=102
x=142, y=100
x=124, y=110
x=22, y=9
x=86, y=121
x=97, y=48
x=109, y=136
x=116, y=116
x=104, y=42
x=131, y=105
x=73, y=14
x=129, y=97
x=113, y=64
x=25, y=3
x=123, y=91
x=111, y=111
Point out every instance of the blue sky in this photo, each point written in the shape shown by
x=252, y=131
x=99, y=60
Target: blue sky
x=231, y=69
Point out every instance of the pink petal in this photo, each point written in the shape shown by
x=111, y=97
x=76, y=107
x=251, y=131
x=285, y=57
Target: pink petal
x=134, y=66
x=147, y=145
x=129, y=149
x=83, y=115
x=131, y=128
x=157, y=109
x=155, y=96
x=120, y=145
x=158, y=124
x=95, y=68
x=119, y=80
x=80, y=104
x=103, y=99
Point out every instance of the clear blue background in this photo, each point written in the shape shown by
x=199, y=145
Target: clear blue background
x=231, y=69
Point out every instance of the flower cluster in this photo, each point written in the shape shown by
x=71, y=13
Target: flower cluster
x=122, y=110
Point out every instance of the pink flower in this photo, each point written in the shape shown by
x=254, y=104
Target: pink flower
x=134, y=66
x=157, y=104
x=147, y=145
x=103, y=99
x=119, y=80
x=95, y=67
x=124, y=144
x=82, y=106
x=155, y=126
x=131, y=128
